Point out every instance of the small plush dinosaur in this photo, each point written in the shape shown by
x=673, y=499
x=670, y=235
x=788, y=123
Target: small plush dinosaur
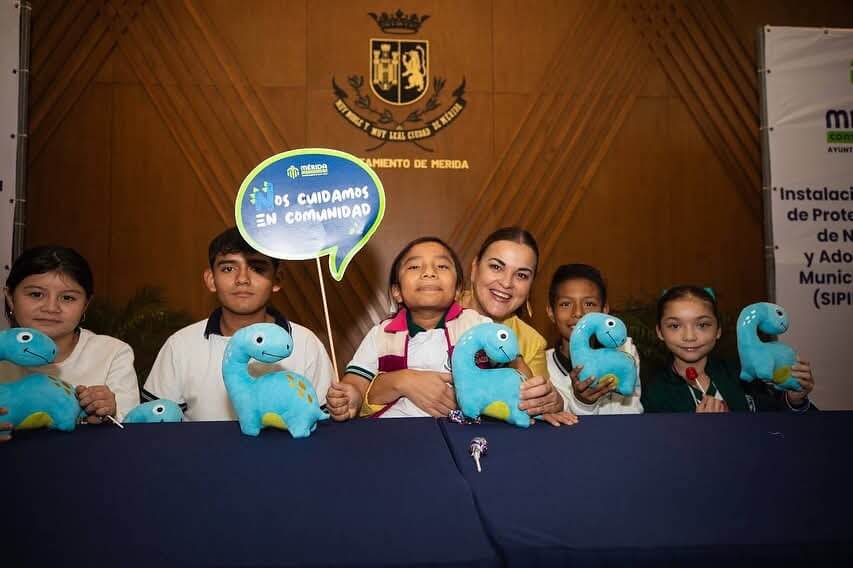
x=769, y=361
x=37, y=400
x=491, y=392
x=608, y=363
x=160, y=410
x=283, y=400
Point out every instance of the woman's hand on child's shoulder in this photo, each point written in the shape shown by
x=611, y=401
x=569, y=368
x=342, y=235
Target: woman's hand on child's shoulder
x=430, y=391
x=5, y=427
x=98, y=401
x=538, y=396
x=343, y=401
x=802, y=372
x=584, y=391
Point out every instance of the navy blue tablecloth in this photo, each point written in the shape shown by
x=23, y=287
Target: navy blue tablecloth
x=770, y=489
x=773, y=489
x=369, y=492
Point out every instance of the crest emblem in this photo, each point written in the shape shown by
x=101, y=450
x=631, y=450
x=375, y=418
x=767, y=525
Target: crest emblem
x=399, y=70
x=399, y=76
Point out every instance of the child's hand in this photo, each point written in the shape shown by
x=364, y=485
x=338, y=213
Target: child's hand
x=98, y=401
x=5, y=427
x=343, y=401
x=432, y=392
x=711, y=404
x=557, y=418
x=802, y=372
x=584, y=392
x=538, y=396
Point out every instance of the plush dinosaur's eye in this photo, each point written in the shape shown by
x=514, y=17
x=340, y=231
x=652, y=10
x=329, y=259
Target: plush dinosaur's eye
x=159, y=409
x=259, y=339
x=502, y=335
x=780, y=313
x=25, y=337
x=610, y=323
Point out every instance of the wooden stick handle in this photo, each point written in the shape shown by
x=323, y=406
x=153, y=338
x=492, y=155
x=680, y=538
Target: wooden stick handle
x=328, y=321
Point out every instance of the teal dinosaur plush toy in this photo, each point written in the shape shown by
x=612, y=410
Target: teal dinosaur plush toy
x=155, y=411
x=608, y=363
x=770, y=361
x=37, y=400
x=490, y=392
x=283, y=400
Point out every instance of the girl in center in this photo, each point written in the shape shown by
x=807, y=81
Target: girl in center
x=402, y=367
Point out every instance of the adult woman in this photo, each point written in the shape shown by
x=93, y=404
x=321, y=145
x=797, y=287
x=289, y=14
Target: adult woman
x=502, y=273
x=49, y=289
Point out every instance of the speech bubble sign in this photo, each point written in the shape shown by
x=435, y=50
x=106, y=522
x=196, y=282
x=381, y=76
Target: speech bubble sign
x=309, y=203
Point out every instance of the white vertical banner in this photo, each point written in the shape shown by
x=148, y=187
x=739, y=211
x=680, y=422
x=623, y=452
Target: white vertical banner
x=10, y=42
x=808, y=82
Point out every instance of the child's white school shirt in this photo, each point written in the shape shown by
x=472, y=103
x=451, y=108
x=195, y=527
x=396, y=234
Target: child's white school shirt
x=188, y=369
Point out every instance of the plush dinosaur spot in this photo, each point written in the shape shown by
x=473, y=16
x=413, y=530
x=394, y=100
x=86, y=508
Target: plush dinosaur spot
x=310, y=398
x=34, y=421
x=301, y=385
x=781, y=374
x=273, y=420
x=609, y=380
x=498, y=409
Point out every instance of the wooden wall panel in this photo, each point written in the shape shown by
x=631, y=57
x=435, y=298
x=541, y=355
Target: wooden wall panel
x=609, y=220
x=527, y=38
x=158, y=236
x=69, y=198
x=266, y=38
x=622, y=133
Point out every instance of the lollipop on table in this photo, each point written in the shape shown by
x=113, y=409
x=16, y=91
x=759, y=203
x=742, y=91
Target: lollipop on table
x=478, y=447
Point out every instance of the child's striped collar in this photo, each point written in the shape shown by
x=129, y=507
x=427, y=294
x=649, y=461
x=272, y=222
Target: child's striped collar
x=402, y=321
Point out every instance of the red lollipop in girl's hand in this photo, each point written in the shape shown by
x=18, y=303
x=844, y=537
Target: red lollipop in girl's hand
x=691, y=374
